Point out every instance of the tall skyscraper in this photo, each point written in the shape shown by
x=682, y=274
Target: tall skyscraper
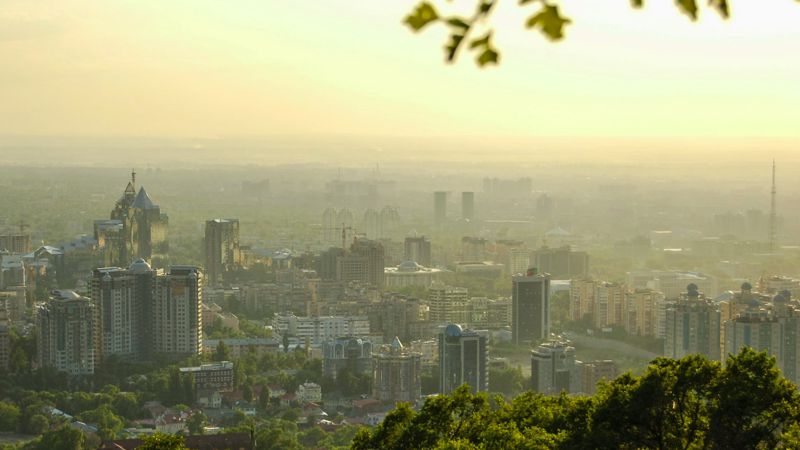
x=65, y=334
x=221, y=249
x=468, y=206
x=397, y=374
x=530, y=308
x=178, y=313
x=463, y=358
x=139, y=229
x=141, y=313
x=418, y=249
x=693, y=326
x=439, y=208
x=123, y=301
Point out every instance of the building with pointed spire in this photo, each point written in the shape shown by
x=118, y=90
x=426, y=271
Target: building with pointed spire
x=136, y=228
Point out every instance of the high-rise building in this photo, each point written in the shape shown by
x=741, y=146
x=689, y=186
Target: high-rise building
x=397, y=374
x=65, y=334
x=351, y=353
x=463, y=359
x=530, y=307
x=364, y=263
x=553, y=368
x=609, y=305
x=693, y=326
x=758, y=329
x=418, y=249
x=221, y=249
x=448, y=304
x=562, y=262
x=123, y=300
x=468, y=206
x=141, y=313
x=177, y=312
x=643, y=306
x=581, y=298
x=439, y=208
x=143, y=227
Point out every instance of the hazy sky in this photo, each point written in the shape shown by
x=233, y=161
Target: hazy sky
x=256, y=68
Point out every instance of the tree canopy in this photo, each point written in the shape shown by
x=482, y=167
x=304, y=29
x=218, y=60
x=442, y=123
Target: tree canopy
x=689, y=403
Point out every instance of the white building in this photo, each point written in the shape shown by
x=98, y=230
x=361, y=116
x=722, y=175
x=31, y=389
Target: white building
x=309, y=393
x=409, y=273
x=672, y=283
x=319, y=329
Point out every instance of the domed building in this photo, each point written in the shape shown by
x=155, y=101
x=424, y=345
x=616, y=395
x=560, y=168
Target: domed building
x=409, y=273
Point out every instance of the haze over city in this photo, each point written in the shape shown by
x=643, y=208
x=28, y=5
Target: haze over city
x=285, y=225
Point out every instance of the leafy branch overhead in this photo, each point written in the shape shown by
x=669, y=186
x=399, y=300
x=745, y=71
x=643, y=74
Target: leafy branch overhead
x=547, y=19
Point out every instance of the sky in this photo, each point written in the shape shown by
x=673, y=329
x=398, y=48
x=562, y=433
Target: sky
x=242, y=69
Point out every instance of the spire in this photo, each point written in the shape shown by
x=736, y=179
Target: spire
x=133, y=178
x=772, y=212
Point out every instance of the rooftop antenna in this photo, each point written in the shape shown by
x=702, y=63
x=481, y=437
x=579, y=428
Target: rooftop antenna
x=772, y=213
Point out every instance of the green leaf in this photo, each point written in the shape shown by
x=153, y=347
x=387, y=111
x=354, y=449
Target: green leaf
x=637, y=3
x=485, y=7
x=550, y=22
x=452, y=47
x=488, y=56
x=423, y=14
x=689, y=7
x=482, y=41
x=721, y=6
x=458, y=23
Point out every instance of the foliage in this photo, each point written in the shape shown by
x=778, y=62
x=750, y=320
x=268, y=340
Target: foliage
x=546, y=18
x=196, y=423
x=160, y=441
x=9, y=416
x=62, y=438
x=222, y=353
x=686, y=403
x=108, y=423
x=508, y=381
